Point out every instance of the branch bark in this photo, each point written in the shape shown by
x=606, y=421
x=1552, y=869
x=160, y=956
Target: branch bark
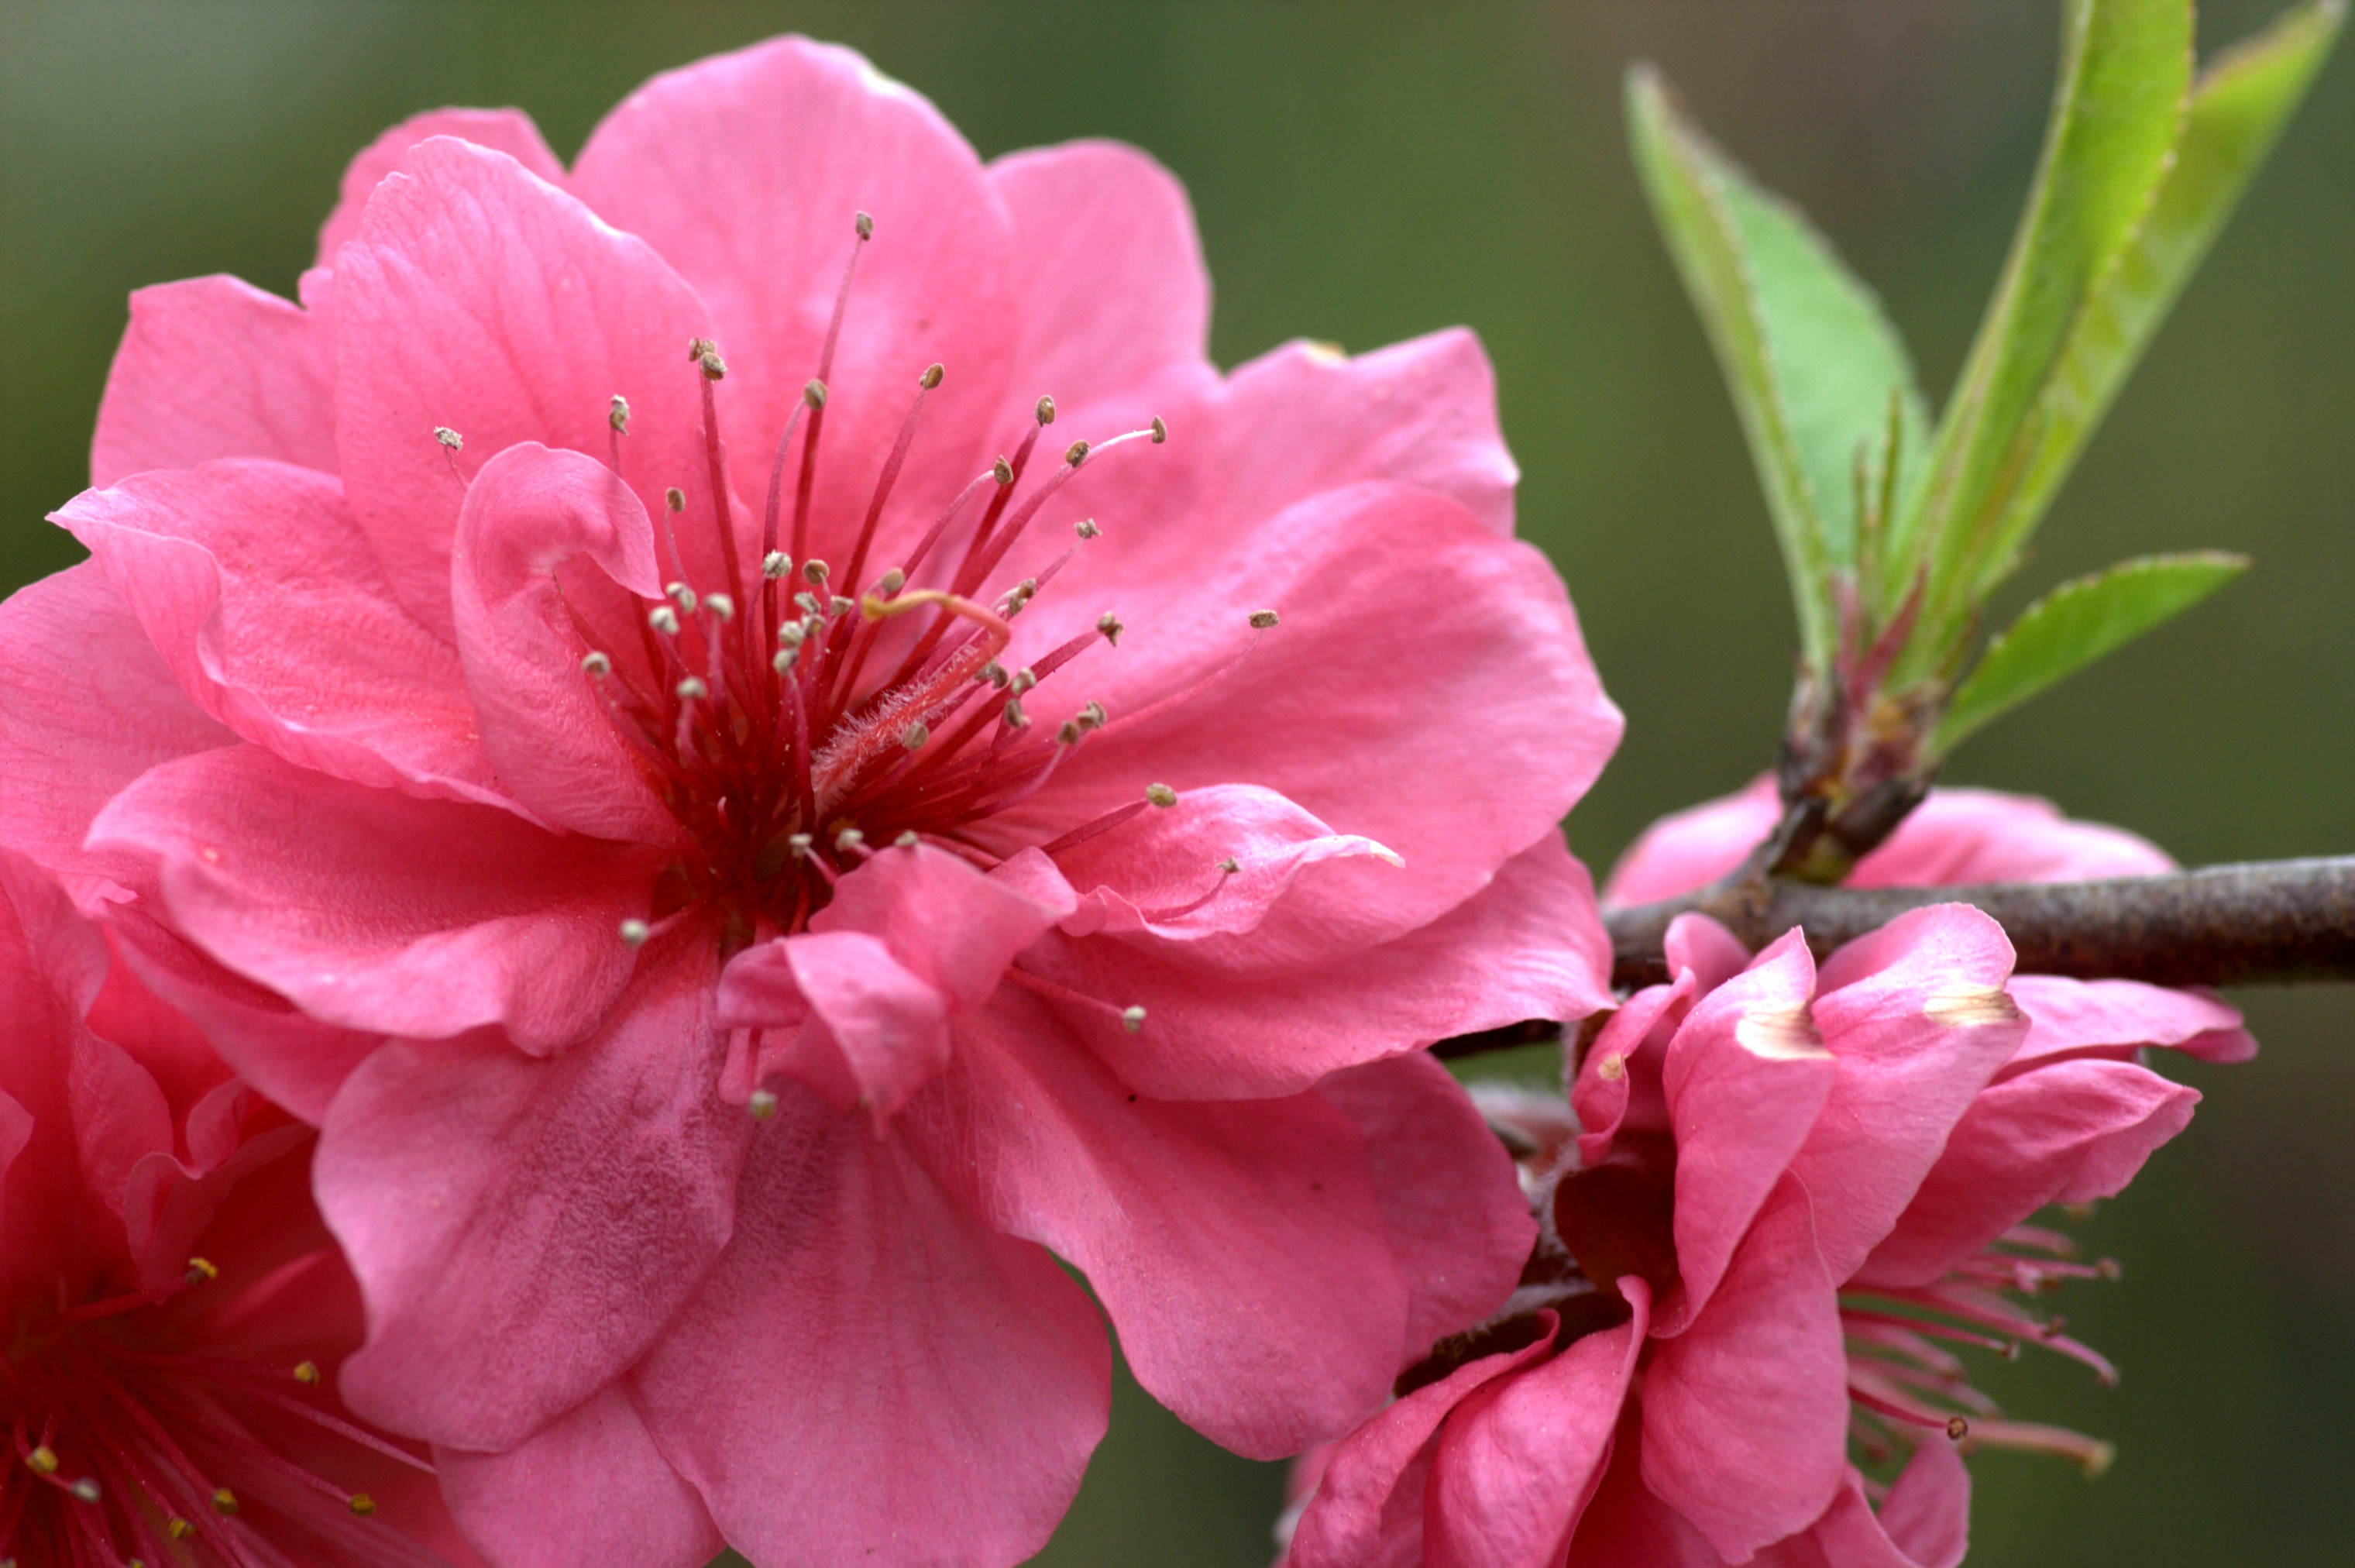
x=2270, y=922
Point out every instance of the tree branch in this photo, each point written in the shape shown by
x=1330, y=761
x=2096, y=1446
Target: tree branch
x=2266, y=924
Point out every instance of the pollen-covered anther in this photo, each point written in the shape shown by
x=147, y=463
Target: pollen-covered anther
x=179, y=1529
x=1160, y=795
x=775, y=564
x=618, y=416
x=798, y=845
x=1612, y=1068
x=1002, y=471
x=307, y=1373
x=915, y=735
x=1957, y=1428
x=1231, y=865
x=838, y=605
x=783, y=659
x=705, y=354
x=791, y=635
x=692, y=689
x=890, y=583
x=1068, y=732
x=1021, y=680
x=1262, y=620
x=1015, y=717
x=675, y=498
x=847, y=840
x=224, y=1501
x=1086, y=529
x=664, y=619
x=84, y=1488
x=361, y=1504
x=864, y=224
x=1076, y=453
x=762, y=1104
x=1160, y=428
x=809, y=604
x=1092, y=715
x=680, y=594
x=814, y=394
x=931, y=377
x=634, y=933
x=720, y=605
x=1110, y=625
x=200, y=1270
x=908, y=839
x=596, y=664
x=42, y=1460
x=1132, y=1019
x=449, y=438
x=815, y=571
x=1045, y=411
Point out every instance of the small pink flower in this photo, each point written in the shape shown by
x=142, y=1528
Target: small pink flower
x=174, y=1309
x=745, y=845
x=1784, y=1197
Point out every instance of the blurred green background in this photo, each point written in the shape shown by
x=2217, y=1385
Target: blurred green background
x=1364, y=172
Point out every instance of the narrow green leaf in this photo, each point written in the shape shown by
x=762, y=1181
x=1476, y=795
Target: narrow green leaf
x=2076, y=623
x=2124, y=77
x=1810, y=360
x=2238, y=108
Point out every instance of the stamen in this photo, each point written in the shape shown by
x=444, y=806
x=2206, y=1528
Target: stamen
x=617, y=426
x=1160, y=795
x=1132, y=1019
x=1110, y=625
x=633, y=935
x=1262, y=620
x=596, y=664
x=762, y=1104
x=1086, y=529
x=201, y=1270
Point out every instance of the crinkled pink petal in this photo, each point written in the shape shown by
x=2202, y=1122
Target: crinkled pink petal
x=369, y=909
x=857, y=1025
x=524, y=1228
x=746, y=171
x=1691, y=849
x=252, y=580
x=1618, y=1082
x=1111, y=293
x=1332, y=711
x=529, y=513
x=508, y=131
x=1452, y=1205
x=214, y=367
x=1520, y=1458
x=869, y=1375
x=2069, y=1133
x=479, y=299
x=1917, y=1021
x=1527, y=945
x=1370, y=1501
x=1238, y=1246
x=119, y=1117
x=590, y=1487
x=948, y=923
x=1745, y=1078
x=2117, y=1017
x=1745, y=1413
x=86, y=707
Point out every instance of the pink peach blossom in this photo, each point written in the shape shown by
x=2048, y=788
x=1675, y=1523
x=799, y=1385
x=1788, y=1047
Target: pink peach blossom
x=1782, y=1197
x=175, y=1307
x=746, y=870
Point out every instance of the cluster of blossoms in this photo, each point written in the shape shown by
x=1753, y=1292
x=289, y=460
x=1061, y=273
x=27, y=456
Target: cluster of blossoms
x=617, y=850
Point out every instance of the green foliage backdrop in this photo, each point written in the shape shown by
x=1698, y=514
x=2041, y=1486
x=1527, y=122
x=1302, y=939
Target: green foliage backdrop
x=1367, y=171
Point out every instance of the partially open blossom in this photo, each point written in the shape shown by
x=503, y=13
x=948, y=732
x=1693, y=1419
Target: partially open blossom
x=761, y=741
x=172, y=1311
x=1778, y=1202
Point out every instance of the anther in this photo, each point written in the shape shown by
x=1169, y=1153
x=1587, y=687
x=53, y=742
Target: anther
x=2110, y=1268
x=1002, y=471
x=681, y=595
x=705, y=354
x=1015, y=717
x=178, y=1528
x=865, y=225
x=908, y=839
x=664, y=619
x=675, y=498
x=1076, y=453
x=1262, y=620
x=596, y=664
x=1021, y=680
x=1159, y=429
x=762, y=1104
x=692, y=689
x=1957, y=1428
x=1045, y=410
x=931, y=377
x=1161, y=794
x=847, y=840
x=1231, y=865
x=1086, y=529
x=634, y=932
x=449, y=438
x=362, y=1504
x=1612, y=1068
x=890, y=583
x=720, y=605
x=815, y=571
x=1132, y=1019
x=200, y=1270
x=224, y=1501
x=1068, y=732
x=1109, y=625
x=774, y=565
x=914, y=736
x=1092, y=715
x=838, y=605
x=798, y=845
x=42, y=1461
x=783, y=660
x=994, y=673
x=791, y=634
x=814, y=394
x=809, y=604
x=618, y=416
x=84, y=1489
x=307, y=1373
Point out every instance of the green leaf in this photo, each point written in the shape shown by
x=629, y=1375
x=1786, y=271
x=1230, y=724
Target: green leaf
x=1812, y=363
x=2125, y=78
x=2238, y=108
x=2076, y=623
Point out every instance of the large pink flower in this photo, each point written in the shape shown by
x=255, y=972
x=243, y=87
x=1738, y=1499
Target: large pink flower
x=173, y=1307
x=745, y=845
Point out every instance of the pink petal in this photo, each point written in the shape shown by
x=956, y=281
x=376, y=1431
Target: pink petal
x=1981, y=836
x=1521, y=1457
x=252, y=580
x=858, y=1027
x=1451, y=1204
x=1238, y=1246
x=1745, y=1413
x=1917, y=1021
x=479, y=299
x=2117, y=1017
x=1492, y=701
x=1691, y=848
x=2068, y=1133
x=1625, y=1526
x=1113, y=297
x=508, y=131
x=524, y=1228
x=1925, y=1522
x=1746, y=1077
x=952, y=925
x=746, y=171
x=86, y=707
x=1527, y=945
x=1371, y=1503
x=590, y=1487
x=214, y=367
x=544, y=723
x=1618, y=1082
x=868, y=1375
x=372, y=910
